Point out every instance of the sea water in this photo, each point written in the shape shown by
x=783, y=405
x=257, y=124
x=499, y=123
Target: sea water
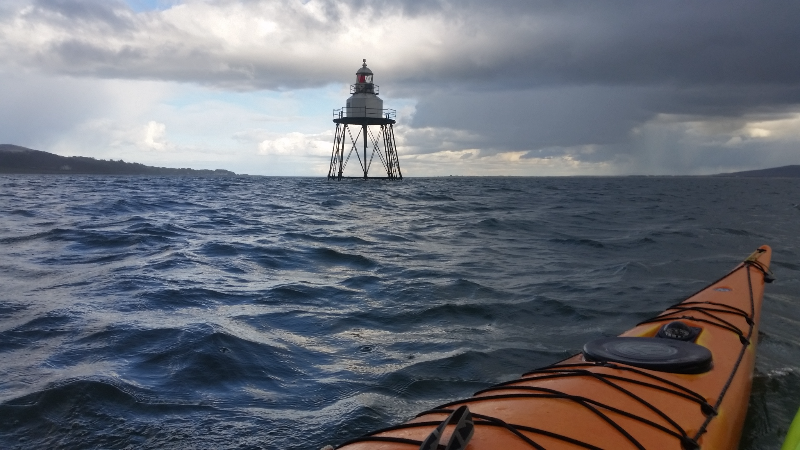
x=290, y=313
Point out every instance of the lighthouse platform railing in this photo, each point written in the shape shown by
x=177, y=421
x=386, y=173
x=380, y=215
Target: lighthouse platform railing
x=356, y=111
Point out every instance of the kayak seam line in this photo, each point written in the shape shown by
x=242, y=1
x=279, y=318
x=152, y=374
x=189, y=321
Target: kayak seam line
x=747, y=265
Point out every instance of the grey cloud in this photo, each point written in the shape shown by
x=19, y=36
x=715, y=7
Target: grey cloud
x=667, y=152
x=591, y=115
x=113, y=14
x=483, y=45
x=726, y=100
x=38, y=111
x=569, y=116
x=92, y=56
x=540, y=77
x=681, y=43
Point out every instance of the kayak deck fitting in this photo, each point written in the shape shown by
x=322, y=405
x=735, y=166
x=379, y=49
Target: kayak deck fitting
x=680, y=380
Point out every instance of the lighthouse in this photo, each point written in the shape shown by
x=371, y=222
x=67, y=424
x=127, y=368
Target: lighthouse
x=364, y=127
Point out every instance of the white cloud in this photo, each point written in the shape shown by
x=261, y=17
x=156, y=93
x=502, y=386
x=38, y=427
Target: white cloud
x=298, y=144
x=235, y=44
x=782, y=128
x=470, y=162
x=675, y=144
x=39, y=110
x=777, y=126
x=154, y=134
x=412, y=140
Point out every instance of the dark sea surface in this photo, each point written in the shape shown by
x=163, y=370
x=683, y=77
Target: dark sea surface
x=290, y=313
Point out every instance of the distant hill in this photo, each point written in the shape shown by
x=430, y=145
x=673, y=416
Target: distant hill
x=783, y=171
x=21, y=160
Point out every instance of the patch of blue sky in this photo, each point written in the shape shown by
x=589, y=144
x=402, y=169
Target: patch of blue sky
x=300, y=102
x=151, y=5
x=300, y=110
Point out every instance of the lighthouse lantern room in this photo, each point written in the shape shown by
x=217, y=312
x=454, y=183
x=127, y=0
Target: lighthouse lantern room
x=373, y=126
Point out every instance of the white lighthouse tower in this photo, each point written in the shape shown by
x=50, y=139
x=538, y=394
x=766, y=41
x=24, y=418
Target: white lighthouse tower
x=364, y=109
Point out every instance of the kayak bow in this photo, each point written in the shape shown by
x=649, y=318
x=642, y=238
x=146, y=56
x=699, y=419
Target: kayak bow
x=680, y=380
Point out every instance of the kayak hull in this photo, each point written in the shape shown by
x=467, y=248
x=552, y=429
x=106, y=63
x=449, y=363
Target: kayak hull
x=583, y=402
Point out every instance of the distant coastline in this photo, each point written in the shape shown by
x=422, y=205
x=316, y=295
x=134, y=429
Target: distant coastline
x=21, y=160
x=15, y=159
x=792, y=171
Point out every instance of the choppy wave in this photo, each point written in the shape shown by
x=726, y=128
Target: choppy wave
x=290, y=313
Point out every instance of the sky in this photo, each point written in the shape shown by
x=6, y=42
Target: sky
x=481, y=87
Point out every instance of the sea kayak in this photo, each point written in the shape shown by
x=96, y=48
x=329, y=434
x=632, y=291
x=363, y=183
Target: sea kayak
x=680, y=380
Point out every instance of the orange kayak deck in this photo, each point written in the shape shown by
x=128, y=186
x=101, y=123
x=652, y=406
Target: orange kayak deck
x=596, y=403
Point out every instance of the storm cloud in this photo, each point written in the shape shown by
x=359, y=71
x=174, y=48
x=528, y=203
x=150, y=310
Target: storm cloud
x=628, y=84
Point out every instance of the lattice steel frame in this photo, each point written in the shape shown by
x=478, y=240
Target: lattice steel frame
x=383, y=145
